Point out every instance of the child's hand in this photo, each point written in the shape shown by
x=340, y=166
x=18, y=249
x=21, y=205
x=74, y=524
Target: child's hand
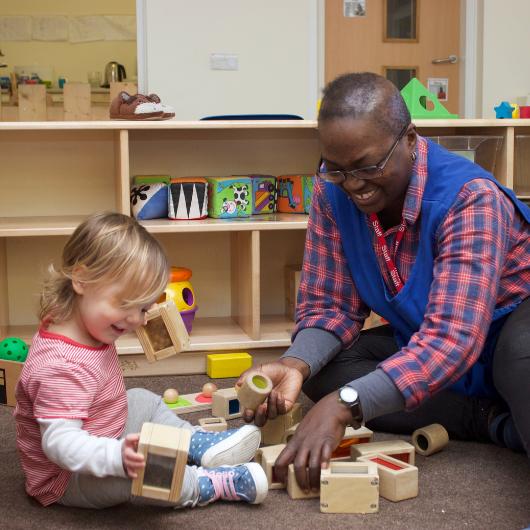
x=132, y=461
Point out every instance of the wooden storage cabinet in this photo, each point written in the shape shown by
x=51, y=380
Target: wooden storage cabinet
x=53, y=174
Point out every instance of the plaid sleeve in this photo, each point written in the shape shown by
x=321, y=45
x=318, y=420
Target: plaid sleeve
x=472, y=244
x=327, y=298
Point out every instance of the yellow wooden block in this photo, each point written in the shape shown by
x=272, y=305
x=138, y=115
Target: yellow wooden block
x=227, y=364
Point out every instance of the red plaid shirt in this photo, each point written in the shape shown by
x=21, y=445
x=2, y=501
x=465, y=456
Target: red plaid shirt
x=482, y=261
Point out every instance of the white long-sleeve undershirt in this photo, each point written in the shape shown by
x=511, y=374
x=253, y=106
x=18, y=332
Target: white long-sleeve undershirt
x=66, y=444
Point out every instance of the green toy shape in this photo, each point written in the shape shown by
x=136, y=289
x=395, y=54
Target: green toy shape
x=416, y=96
x=13, y=349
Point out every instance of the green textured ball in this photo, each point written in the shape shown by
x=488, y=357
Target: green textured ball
x=13, y=349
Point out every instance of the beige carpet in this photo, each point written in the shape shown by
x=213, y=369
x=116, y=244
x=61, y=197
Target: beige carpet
x=467, y=486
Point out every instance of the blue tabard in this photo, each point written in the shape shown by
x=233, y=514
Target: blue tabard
x=447, y=174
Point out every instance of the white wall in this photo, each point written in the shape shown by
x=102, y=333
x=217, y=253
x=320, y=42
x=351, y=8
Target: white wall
x=276, y=43
x=506, y=52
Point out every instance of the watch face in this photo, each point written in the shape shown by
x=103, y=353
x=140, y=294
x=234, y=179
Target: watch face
x=348, y=394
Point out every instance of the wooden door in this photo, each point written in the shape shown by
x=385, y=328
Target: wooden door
x=367, y=42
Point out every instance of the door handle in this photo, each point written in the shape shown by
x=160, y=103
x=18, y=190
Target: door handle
x=451, y=59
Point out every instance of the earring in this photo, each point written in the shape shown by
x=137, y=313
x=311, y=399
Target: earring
x=413, y=156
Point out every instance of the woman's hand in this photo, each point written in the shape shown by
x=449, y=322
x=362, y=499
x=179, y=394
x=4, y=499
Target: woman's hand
x=317, y=436
x=287, y=376
x=132, y=460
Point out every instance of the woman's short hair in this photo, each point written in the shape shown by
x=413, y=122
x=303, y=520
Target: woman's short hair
x=365, y=95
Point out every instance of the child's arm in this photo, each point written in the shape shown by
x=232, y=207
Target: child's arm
x=66, y=444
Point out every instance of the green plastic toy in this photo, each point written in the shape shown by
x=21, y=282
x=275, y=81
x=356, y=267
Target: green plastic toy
x=416, y=95
x=13, y=349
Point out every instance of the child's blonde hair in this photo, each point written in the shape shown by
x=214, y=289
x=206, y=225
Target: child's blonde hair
x=106, y=247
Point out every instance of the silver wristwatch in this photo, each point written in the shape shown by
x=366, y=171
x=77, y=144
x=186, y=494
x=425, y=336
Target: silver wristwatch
x=348, y=396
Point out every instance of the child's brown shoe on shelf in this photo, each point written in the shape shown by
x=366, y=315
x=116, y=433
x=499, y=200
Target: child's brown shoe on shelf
x=169, y=112
x=137, y=107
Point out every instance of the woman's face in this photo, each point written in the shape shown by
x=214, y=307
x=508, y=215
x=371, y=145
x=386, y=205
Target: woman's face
x=348, y=144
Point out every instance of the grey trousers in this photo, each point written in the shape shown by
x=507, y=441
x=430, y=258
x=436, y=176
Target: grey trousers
x=88, y=491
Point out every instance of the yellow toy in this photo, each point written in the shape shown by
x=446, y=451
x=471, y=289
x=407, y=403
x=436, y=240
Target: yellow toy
x=227, y=364
x=180, y=291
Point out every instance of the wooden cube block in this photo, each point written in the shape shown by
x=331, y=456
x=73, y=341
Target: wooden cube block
x=213, y=424
x=188, y=198
x=220, y=365
x=273, y=431
x=349, y=487
x=225, y=404
x=293, y=489
x=397, y=448
x=164, y=334
x=266, y=458
x=397, y=480
x=9, y=375
x=229, y=197
x=351, y=437
x=263, y=193
x=165, y=450
x=289, y=433
x=293, y=274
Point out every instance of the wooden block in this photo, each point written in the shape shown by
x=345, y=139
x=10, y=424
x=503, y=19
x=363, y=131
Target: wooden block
x=349, y=487
x=32, y=103
x=273, y=431
x=430, y=439
x=292, y=284
x=213, y=424
x=225, y=404
x=289, y=433
x=191, y=403
x=266, y=458
x=351, y=437
x=116, y=88
x=397, y=448
x=397, y=480
x=77, y=104
x=254, y=391
x=220, y=365
x=9, y=375
x=293, y=489
x=164, y=334
x=165, y=450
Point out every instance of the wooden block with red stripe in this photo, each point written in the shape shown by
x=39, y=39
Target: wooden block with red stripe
x=397, y=480
x=352, y=436
x=397, y=448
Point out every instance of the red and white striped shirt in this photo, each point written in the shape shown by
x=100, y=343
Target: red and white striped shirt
x=64, y=379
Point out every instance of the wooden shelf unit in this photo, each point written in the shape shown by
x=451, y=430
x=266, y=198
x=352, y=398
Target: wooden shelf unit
x=53, y=174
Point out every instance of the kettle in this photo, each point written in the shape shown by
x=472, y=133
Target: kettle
x=114, y=72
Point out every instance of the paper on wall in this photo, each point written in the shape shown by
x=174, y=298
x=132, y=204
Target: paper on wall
x=119, y=27
x=86, y=28
x=50, y=28
x=14, y=28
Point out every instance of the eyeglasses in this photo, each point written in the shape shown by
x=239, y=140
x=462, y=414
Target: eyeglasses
x=364, y=173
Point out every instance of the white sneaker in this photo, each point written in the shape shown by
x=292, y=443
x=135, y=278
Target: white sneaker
x=247, y=483
x=232, y=447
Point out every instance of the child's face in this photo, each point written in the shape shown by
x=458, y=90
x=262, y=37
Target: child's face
x=101, y=315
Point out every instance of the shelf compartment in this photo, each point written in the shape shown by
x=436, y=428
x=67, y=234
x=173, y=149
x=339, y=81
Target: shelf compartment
x=61, y=172
x=277, y=252
x=483, y=150
x=521, y=178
